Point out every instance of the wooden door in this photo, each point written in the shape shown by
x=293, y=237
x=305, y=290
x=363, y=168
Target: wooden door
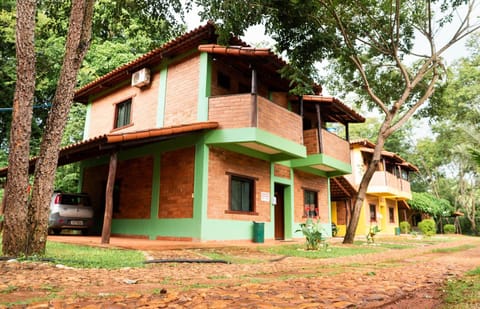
x=280, y=212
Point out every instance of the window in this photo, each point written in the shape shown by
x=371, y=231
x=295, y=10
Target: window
x=373, y=213
x=391, y=214
x=242, y=194
x=310, y=208
x=122, y=113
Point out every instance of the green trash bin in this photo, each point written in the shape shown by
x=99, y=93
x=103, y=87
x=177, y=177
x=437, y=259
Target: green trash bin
x=258, y=232
x=397, y=231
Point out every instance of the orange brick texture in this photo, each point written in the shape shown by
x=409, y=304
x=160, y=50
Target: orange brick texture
x=310, y=140
x=143, y=109
x=315, y=183
x=176, y=184
x=281, y=171
x=182, y=92
x=222, y=162
x=231, y=111
x=135, y=179
x=276, y=119
x=336, y=147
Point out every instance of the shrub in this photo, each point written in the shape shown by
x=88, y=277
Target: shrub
x=449, y=228
x=427, y=226
x=311, y=231
x=405, y=227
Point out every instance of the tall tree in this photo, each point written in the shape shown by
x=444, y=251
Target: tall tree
x=76, y=47
x=32, y=226
x=369, y=43
x=27, y=219
x=15, y=237
x=455, y=117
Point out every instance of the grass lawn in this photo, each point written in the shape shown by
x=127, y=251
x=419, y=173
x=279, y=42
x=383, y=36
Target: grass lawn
x=464, y=293
x=90, y=257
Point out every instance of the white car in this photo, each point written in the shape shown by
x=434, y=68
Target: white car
x=70, y=211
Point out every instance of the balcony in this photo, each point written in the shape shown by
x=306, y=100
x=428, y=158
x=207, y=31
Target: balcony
x=328, y=154
x=254, y=123
x=386, y=184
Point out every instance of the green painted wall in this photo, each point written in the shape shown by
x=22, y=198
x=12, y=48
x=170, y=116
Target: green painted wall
x=162, y=93
x=86, y=127
x=204, y=86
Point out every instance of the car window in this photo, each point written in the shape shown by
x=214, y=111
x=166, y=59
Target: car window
x=66, y=199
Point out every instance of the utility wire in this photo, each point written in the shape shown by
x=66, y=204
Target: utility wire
x=9, y=109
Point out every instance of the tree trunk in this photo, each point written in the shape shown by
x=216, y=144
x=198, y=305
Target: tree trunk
x=16, y=191
x=362, y=189
x=78, y=41
x=2, y=211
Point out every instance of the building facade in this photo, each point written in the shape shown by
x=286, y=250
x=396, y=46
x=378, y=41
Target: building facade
x=385, y=204
x=208, y=142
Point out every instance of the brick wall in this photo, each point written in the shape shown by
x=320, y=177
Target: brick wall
x=176, y=183
x=232, y=111
x=274, y=118
x=310, y=140
x=182, y=92
x=335, y=146
x=307, y=181
x=280, y=98
x=223, y=161
x=281, y=171
x=134, y=177
x=143, y=109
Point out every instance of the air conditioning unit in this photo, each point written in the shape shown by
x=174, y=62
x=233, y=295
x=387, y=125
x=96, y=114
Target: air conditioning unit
x=141, y=78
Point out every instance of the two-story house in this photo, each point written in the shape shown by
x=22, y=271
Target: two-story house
x=387, y=193
x=205, y=140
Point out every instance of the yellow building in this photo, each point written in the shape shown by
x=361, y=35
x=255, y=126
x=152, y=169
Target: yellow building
x=385, y=203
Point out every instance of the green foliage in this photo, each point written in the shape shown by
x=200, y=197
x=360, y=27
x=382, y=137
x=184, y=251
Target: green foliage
x=312, y=233
x=453, y=249
x=372, y=231
x=427, y=227
x=122, y=30
x=405, y=227
x=427, y=203
x=449, y=228
x=336, y=251
x=93, y=257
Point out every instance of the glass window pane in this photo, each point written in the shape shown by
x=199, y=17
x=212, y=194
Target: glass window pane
x=241, y=194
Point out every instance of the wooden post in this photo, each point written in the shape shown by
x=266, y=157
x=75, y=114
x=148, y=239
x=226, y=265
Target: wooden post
x=107, y=220
x=254, y=98
x=319, y=120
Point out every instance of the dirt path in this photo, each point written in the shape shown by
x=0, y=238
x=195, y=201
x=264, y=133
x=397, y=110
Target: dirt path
x=409, y=278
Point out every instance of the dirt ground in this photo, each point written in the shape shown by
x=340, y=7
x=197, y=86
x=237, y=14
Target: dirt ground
x=408, y=278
